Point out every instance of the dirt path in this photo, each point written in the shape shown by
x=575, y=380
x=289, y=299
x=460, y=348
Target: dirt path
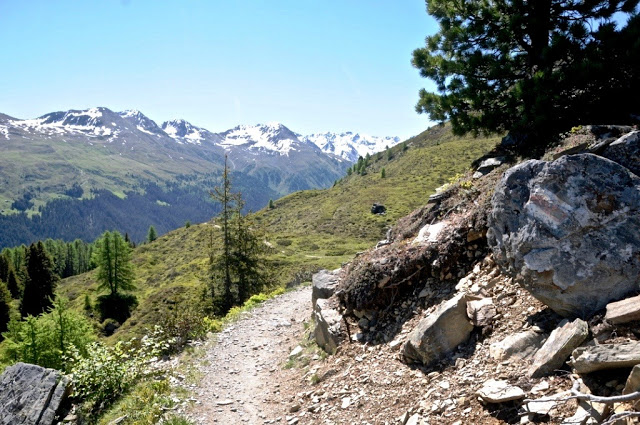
x=242, y=376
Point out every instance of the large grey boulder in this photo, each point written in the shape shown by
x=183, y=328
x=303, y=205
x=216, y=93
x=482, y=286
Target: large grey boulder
x=31, y=395
x=568, y=231
x=327, y=330
x=439, y=333
x=323, y=285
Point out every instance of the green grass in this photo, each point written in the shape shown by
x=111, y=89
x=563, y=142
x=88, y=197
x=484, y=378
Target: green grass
x=308, y=230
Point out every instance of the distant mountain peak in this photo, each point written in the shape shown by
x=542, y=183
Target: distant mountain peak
x=184, y=132
x=350, y=145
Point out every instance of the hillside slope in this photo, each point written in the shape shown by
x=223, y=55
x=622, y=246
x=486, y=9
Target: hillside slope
x=309, y=230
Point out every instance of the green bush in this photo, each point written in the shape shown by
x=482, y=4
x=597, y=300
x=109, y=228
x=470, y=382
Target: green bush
x=105, y=372
x=46, y=339
x=116, y=306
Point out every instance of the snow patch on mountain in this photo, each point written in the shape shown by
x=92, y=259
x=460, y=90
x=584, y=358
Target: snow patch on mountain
x=4, y=130
x=350, y=145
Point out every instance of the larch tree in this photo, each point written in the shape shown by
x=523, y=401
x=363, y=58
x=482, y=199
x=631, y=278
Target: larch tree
x=529, y=67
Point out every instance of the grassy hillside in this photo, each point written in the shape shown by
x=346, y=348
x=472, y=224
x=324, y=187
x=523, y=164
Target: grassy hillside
x=308, y=230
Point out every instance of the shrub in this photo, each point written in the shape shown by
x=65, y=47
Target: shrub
x=46, y=339
x=105, y=372
x=116, y=306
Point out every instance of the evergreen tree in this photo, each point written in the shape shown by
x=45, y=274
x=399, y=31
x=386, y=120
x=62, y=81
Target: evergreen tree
x=221, y=266
x=151, y=234
x=271, y=206
x=383, y=173
x=531, y=68
x=238, y=271
x=113, y=257
x=40, y=284
x=14, y=286
x=5, y=308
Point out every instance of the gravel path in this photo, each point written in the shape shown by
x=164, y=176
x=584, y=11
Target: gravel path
x=242, y=376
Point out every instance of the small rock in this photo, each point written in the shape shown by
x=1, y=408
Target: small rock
x=633, y=381
x=481, y=312
x=623, y=311
x=520, y=346
x=559, y=346
x=296, y=352
x=346, y=402
x=494, y=391
x=294, y=408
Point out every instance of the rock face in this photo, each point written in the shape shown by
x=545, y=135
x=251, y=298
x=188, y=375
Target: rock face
x=31, y=394
x=327, y=330
x=567, y=231
x=439, y=333
x=324, y=285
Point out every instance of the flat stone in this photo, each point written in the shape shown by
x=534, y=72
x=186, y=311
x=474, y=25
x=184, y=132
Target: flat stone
x=562, y=341
x=520, y=346
x=224, y=402
x=588, y=412
x=494, y=391
x=544, y=405
x=481, y=312
x=414, y=419
x=605, y=356
x=439, y=333
x=623, y=311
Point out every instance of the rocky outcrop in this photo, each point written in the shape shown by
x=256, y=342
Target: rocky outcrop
x=439, y=333
x=567, y=231
x=327, y=328
x=324, y=284
x=31, y=395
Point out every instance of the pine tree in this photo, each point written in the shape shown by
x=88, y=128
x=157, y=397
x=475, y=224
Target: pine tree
x=271, y=206
x=221, y=266
x=5, y=308
x=40, y=284
x=532, y=68
x=151, y=234
x=14, y=286
x=383, y=173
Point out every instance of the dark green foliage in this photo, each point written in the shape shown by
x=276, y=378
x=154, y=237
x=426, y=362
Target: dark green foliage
x=187, y=224
x=74, y=191
x=152, y=235
x=5, y=307
x=14, y=286
x=271, y=206
x=40, y=284
x=238, y=271
x=531, y=68
x=116, y=306
x=383, y=173
x=113, y=257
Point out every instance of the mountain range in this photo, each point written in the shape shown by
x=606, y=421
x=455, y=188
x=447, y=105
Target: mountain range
x=78, y=160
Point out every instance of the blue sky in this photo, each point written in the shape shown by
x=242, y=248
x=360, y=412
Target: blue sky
x=312, y=65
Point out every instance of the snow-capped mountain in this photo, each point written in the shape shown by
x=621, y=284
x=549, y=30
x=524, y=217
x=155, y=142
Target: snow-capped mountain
x=185, y=132
x=270, y=137
x=141, y=121
x=350, y=145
